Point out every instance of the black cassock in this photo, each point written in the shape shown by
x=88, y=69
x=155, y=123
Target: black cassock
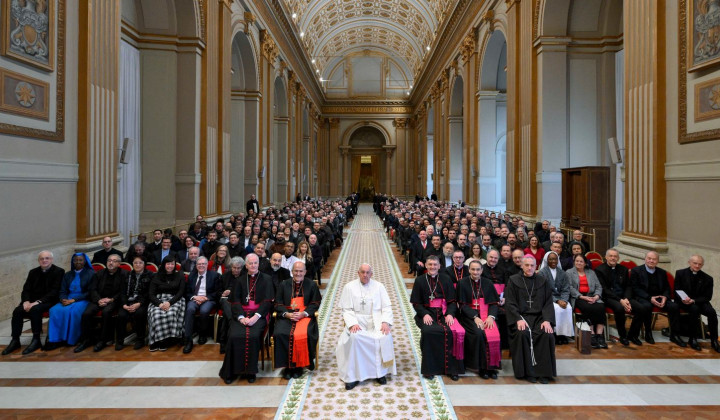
x=530, y=298
x=477, y=355
x=243, y=346
x=436, y=339
x=284, y=328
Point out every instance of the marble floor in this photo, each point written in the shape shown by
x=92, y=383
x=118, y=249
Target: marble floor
x=658, y=381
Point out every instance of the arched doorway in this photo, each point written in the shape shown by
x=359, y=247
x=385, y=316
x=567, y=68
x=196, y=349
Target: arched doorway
x=245, y=102
x=492, y=123
x=368, y=161
x=455, y=136
x=430, y=149
x=279, y=150
x=579, y=93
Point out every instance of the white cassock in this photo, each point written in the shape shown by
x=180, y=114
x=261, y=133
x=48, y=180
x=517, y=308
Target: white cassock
x=368, y=353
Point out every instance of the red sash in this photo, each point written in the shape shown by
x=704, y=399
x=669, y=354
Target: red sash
x=457, y=329
x=300, y=351
x=492, y=335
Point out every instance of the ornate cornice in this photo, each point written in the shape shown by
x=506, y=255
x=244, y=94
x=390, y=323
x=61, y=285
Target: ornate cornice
x=468, y=46
x=367, y=109
x=203, y=20
x=268, y=47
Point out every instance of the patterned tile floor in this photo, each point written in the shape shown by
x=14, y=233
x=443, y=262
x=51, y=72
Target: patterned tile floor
x=403, y=396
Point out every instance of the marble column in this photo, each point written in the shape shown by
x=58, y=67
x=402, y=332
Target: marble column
x=336, y=184
x=98, y=88
x=400, y=185
x=268, y=58
x=389, y=177
x=346, y=173
x=645, y=193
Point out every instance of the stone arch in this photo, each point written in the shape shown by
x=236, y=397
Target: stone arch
x=245, y=106
x=365, y=153
x=350, y=130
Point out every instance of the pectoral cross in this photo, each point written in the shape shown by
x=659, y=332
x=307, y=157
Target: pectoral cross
x=293, y=306
x=362, y=302
x=247, y=298
x=476, y=305
x=529, y=301
x=432, y=297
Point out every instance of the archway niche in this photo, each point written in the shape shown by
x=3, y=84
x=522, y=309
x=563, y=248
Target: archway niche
x=455, y=138
x=492, y=123
x=430, y=152
x=279, y=149
x=368, y=161
x=579, y=93
x=245, y=102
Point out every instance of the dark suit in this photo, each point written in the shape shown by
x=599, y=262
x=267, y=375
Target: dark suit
x=644, y=287
x=188, y=265
x=416, y=254
x=212, y=286
x=157, y=256
x=698, y=287
x=41, y=287
x=616, y=286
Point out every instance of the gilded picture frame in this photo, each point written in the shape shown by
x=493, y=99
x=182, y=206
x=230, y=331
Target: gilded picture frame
x=23, y=95
x=703, y=35
x=707, y=100
x=28, y=33
x=685, y=82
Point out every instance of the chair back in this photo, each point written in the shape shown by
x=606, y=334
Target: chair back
x=671, y=282
x=628, y=264
x=595, y=263
x=97, y=267
x=592, y=255
x=125, y=266
x=151, y=267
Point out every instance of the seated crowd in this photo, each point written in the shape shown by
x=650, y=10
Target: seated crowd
x=169, y=288
x=474, y=265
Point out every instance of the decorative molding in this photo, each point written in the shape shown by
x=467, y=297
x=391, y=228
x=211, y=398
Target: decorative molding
x=268, y=47
x=701, y=170
x=59, y=133
x=188, y=178
x=400, y=122
x=360, y=109
x=249, y=20
x=468, y=46
x=683, y=135
x=36, y=171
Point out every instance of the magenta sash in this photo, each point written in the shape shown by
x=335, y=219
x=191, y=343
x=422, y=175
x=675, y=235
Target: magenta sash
x=457, y=330
x=492, y=335
x=250, y=309
x=499, y=288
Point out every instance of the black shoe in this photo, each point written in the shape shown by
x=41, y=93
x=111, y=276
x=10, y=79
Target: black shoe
x=635, y=340
x=155, y=346
x=665, y=332
x=202, y=340
x=454, y=378
x=82, y=346
x=99, y=346
x=543, y=380
x=677, y=340
x=50, y=346
x=287, y=373
x=493, y=374
x=222, y=348
x=34, y=346
x=485, y=374
x=139, y=344
x=601, y=342
x=694, y=344
x=594, y=341
x=715, y=345
x=649, y=338
x=230, y=380
x=531, y=379
x=188, y=347
x=13, y=345
x=119, y=346
x=428, y=376
x=251, y=379
x=625, y=342
x=381, y=381
x=351, y=385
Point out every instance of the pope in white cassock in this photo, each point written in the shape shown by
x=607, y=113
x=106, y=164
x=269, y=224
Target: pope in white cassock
x=365, y=348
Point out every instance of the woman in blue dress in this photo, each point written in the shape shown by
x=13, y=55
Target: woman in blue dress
x=64, y=324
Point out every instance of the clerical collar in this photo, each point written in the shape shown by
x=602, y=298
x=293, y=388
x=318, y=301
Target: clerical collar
x=275, y=268
x=649, y=270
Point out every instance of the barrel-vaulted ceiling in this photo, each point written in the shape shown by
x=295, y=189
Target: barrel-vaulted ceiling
x=404, y=30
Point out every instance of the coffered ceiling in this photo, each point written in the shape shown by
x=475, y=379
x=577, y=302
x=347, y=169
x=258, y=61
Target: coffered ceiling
x=400, y=30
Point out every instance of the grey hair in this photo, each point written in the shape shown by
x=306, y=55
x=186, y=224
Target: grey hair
x=46, y=251
x=237, y=261
x=201, y=258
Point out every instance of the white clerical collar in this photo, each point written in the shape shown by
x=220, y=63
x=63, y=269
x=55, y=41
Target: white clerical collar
x=649, y=270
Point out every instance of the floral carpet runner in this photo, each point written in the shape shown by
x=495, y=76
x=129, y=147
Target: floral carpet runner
x=321, y=394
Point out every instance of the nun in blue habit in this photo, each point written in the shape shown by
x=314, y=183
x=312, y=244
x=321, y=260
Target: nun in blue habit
x=64, y=325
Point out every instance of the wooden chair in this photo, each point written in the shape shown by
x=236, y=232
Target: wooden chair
x=126, y=267
x=151, y=267
x=271, y=347
x=595, y=263
x=97, y=267
x=628, y=264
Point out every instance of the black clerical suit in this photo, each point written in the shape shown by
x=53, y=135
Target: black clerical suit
x=436, y=339
x=101, y=256
x=42, y=287
x=476, y=346
x=646, y=285
x=616, y=286
x=284, y=327
x=243, y=345
x=699, y=287
x=456, y=274
x=103, y=284
x=530, y=299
